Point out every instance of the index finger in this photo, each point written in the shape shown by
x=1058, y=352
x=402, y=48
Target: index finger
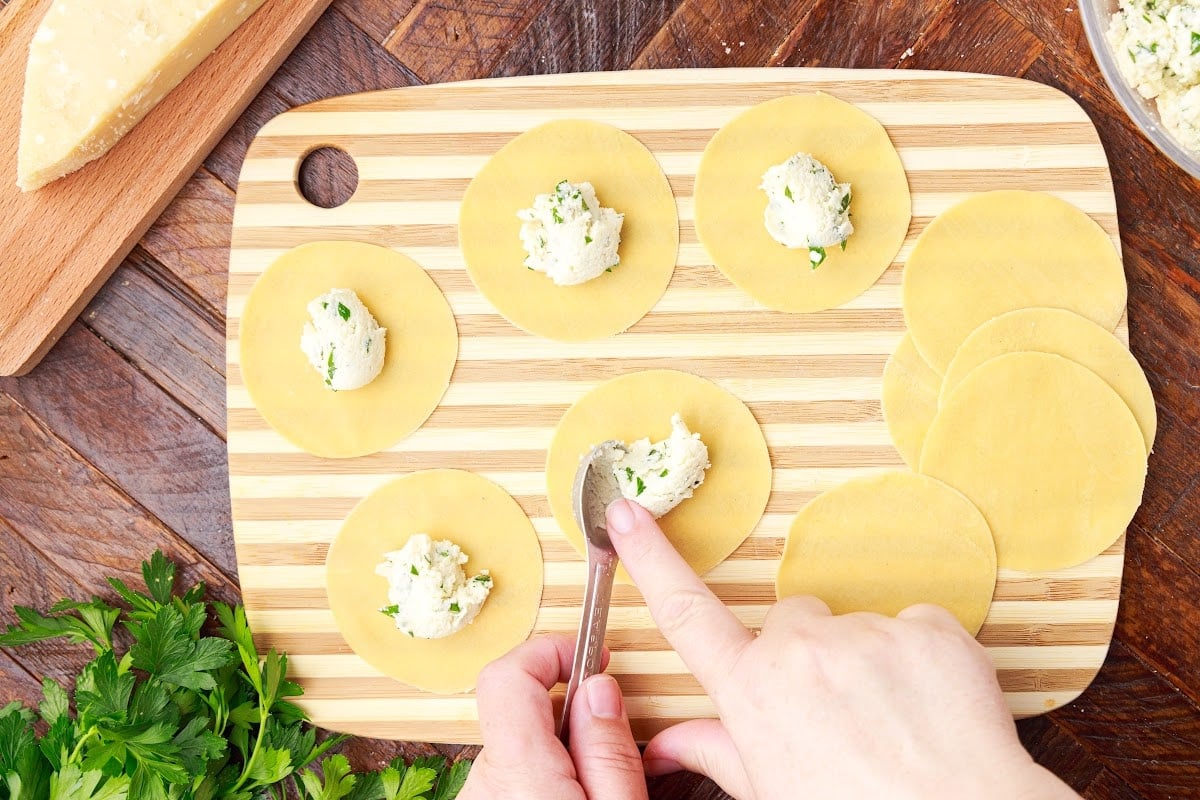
x=706, y=634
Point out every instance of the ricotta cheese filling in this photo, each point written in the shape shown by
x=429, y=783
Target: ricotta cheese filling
x=343, y=342
x=429, y=595
x=1157, y=45
x=569, y=236
x=660, y=475
x=806, y=206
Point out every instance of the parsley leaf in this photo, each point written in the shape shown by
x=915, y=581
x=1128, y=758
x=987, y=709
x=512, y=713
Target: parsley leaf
x=337, y=783
x=180, y=716
x=77, y=622
x=165, y=648
x=343, y=312
x=641, y=486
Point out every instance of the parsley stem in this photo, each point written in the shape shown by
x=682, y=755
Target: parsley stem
x=263, y=714
x=74, y=757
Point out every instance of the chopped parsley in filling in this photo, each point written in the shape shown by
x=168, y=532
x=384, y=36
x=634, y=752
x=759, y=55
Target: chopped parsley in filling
x=342, y=341
x=806, y=207
x=429, y=595
x=661, y=475
x=569, y=236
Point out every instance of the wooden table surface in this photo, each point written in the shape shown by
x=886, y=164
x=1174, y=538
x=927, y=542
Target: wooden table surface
x=114, y=445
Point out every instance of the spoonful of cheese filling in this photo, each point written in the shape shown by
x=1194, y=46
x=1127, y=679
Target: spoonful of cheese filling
x=429, y=595
x=343, y=342
x=569, y=236
x=806, y=206
x=660, y=475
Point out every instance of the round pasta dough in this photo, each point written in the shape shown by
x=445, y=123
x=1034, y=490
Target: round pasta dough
x=1064, y=333
x=1048, y=452
x=421, y=348
x=710, y=525
x=910, y=399
x=886, y=542
x=1004, y=250
x=730, y=206
x=627, y=179
x=492, y=530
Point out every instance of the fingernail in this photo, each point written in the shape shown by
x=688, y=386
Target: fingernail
x=661, y=766
x=604, y=697
x=620, y=516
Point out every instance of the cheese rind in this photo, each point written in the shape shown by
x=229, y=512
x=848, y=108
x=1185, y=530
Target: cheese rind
x=96, y=69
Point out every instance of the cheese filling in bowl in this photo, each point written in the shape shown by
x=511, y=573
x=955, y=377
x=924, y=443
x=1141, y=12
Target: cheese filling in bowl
x=1179, y=101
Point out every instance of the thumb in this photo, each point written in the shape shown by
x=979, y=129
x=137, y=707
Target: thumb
x=702, y=746
x=607, y=762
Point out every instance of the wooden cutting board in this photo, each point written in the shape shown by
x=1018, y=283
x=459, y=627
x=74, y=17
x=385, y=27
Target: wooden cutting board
x=812, y=381
x=62, y=242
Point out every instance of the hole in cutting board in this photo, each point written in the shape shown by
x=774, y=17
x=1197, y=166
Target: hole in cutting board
x=327, y=177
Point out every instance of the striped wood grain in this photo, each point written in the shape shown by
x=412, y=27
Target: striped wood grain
x=812, y=381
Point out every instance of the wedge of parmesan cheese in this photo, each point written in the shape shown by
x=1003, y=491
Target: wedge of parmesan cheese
x=96, y=68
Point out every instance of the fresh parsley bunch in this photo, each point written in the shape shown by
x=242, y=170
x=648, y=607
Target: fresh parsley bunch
x=181, y=715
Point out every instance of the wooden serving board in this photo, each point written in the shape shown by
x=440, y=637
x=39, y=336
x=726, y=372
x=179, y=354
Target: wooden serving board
x=812, y=381
x=62, y=242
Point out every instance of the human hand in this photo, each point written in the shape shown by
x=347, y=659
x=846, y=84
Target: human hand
x=817, y=706
x=522, y=757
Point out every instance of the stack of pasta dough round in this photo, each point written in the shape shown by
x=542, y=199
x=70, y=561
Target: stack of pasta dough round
x=1026, y=422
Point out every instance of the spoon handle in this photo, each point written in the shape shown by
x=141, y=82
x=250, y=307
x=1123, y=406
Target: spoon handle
x=602, y=564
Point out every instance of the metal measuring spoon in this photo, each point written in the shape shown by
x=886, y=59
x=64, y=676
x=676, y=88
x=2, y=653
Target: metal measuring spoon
x=595, y=487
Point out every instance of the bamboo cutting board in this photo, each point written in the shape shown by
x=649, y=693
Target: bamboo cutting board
x=812, y=381
x=62, y=242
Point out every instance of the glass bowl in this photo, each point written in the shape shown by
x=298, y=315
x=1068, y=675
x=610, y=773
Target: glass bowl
x=1096, y=15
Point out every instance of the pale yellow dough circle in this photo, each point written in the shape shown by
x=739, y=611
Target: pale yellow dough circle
x=711, y=524
x=885, y=542
x=1064, y=333
x=910, y=399
x=491, y=529
x=1048, y=452
x=422, y=345
x=1004, y=250
x=626, y=178
x=729, y=204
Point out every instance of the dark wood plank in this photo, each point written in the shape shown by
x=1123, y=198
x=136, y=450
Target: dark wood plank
x=17, y=682
x=85, y=526
x=178, y=344
x=157, y=452
x=862, y=34
x=191, y=241
x=34, y=580
x=1057, y=25
x=1162, y=759
x=338, y=58
x=455, y=41
x=721, y=33
x=1001, y=44
x=1158, y=601
x=1108, y=786
x=225, y=161
x=596, y=36
x=1059, y=751
x=376, y=18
